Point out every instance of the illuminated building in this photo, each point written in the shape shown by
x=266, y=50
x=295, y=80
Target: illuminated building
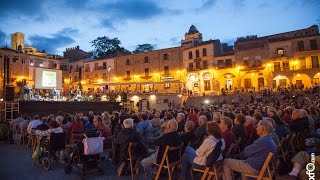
x=204, y=67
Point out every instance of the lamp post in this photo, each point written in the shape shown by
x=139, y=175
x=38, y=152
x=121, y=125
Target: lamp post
x=109, y=69
x=239, y=79
x=179, y=73
x=5, y=74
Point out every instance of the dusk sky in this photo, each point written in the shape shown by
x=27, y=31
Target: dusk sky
x=56, y=25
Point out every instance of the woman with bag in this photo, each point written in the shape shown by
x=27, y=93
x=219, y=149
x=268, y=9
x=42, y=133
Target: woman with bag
x=198, y=158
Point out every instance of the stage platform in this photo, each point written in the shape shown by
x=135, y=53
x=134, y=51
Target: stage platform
x=52, y=107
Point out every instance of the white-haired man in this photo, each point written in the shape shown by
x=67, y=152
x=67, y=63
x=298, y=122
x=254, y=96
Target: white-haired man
x=124, y=137
x=201, y=132
x=255, y=153
x=181, y=121
x=171, y=138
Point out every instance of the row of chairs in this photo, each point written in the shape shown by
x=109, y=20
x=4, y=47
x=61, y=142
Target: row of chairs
x=207, y=173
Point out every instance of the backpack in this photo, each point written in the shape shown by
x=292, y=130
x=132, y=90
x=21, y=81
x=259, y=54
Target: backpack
x=214, y=155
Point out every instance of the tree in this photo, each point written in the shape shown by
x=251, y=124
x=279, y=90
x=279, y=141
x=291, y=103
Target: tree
x=106, y=47
x=143, y=48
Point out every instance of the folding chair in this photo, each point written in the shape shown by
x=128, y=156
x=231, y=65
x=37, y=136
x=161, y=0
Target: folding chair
x=130, y=159
x=170, y=166
x=231, y=150
x=261, y=175
x=32, y=139
x=22, y=136
x=17, y=134
x=283, y=149
x=215, y=171
x=238, y=145
x=292, y=144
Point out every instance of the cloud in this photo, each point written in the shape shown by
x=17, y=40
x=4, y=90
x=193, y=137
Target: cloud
x=123, y=10
x=174, y=41
x=138, y=9
x=68, y=31
x=19, y=9
x=206, y=5
x=51, y=44
x=2, y=38
x=108, y=23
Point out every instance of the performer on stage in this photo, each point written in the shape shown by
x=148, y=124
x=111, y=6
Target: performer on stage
x=54, y=93
x=26, y=93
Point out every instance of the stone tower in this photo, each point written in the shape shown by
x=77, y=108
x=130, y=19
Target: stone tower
x=16, y=40
x=192, y=37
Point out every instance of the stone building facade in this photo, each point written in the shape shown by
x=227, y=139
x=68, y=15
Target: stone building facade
x=203, y=67
x=75, y=54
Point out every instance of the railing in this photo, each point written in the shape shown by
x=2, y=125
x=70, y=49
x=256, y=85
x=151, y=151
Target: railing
x=296, y=68
x=98, y=68
x=8, y=110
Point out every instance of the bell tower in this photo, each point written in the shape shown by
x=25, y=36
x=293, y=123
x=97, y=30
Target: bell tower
x=16, y=40
x=192, y=37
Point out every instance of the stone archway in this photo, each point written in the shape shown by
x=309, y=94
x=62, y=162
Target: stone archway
x=207, y=85
x=192, y=82
x=301, y=80
x=316, y=78
x=280, y=81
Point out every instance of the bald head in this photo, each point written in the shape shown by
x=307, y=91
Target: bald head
x=303, y=113
x=172, y=125
x=128, y=123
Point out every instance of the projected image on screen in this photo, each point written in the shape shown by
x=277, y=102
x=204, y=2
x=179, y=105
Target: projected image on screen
x=49, y=79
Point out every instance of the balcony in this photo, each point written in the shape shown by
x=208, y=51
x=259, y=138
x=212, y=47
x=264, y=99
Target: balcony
x=296, y=68
x=127, y=79
x=222, y=66
x=98, y=68
x=255, y=66
x=87, y=69
x=146, y=77
x=189, y=69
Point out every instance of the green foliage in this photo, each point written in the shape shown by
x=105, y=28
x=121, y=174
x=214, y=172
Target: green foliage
x=143, y=48
x=105, y=47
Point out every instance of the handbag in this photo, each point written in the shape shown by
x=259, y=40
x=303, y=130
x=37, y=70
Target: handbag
x=214, y=155
x=93, y=145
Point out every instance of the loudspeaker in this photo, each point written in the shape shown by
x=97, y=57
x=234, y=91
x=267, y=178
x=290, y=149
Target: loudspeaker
x=9, y=93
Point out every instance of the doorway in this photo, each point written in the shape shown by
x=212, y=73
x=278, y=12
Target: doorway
x=228, y=84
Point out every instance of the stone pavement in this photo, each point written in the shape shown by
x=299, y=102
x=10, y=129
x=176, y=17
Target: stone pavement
x=16, y=163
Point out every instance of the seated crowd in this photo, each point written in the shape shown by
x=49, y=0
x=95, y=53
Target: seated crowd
x=253, y=130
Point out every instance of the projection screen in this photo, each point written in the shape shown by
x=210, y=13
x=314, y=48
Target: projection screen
x=48, y=78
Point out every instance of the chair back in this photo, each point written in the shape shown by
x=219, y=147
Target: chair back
x=172, y=149
x=238, y=144
x=265, y=166
x=76, y=137
x=57, y=141
x=131, y=147
x=91, y=132
x=231, y=150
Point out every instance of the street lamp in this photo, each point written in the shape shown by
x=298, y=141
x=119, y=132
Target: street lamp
x=239, y=78
x=179, y=73
x=109, y=69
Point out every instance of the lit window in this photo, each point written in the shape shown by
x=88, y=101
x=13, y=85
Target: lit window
x=166, y=85
x=280, y=51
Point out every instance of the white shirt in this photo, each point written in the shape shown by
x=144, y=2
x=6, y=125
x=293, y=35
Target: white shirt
x=206, y=148
x=33, y=124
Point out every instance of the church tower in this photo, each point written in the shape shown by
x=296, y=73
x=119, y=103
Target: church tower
x=192, y=37
x=16, y=40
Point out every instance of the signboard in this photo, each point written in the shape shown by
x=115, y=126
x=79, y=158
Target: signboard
x=206, y=78
x=166, y=77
